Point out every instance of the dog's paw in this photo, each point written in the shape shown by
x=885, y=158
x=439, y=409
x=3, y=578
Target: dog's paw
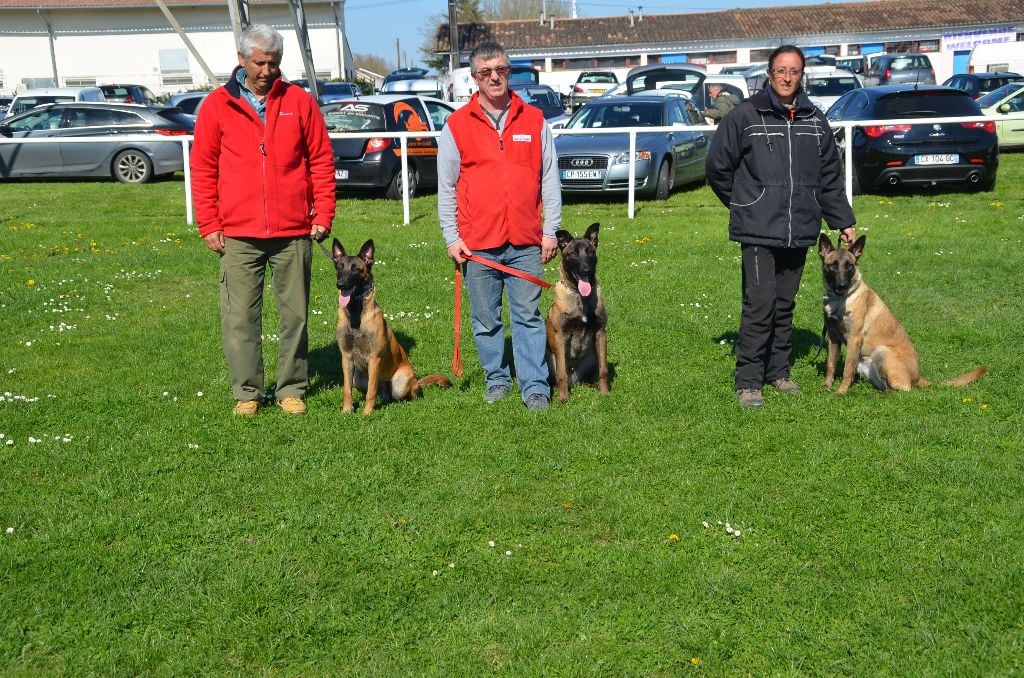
x=348, y=409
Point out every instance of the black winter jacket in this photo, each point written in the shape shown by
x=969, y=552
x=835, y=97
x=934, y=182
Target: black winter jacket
x=778, y=176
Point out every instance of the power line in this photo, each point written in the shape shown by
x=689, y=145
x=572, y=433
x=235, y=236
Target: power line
x=390, y=3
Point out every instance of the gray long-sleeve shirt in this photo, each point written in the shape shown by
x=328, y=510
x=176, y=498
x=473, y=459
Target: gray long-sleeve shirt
x=449, y=165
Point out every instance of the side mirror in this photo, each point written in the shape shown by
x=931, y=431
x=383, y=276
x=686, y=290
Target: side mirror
x=1004, y=108
x=5, y=130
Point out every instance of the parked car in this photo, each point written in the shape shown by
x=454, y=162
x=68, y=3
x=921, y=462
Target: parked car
x=405, y=74
x=590, y=85
x=438, y=110
x=922, y=154
x=129, y=94
x=1006, y=103
x=415, y=86
x=544, y=98
x=5, y=103
x=188, y=102
x=979, y=84
x=824, y=90
x=854, y=64
x=600, y=162
x=338, y=91
x=31, y=98
x=897, y=69
x=130, y=162
x=376, y=162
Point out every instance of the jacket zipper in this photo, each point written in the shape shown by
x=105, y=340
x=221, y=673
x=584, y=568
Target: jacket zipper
x=789, y=143
x=266, y=207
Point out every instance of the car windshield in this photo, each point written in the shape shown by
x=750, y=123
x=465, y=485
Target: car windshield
x=23, y=104
x=995, y=96
x=925, y=104
x=355, y=117
x=538, y=96
x=598, y=77
x=338, y=88
x=646, y=114
x=829, y=87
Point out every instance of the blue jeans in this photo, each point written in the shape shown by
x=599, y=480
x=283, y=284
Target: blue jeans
x=529, y=335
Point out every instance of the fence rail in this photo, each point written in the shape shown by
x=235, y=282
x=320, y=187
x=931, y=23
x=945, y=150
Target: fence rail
x=403, y=137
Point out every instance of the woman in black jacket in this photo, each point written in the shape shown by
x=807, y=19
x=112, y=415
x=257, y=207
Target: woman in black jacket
x=773, y=162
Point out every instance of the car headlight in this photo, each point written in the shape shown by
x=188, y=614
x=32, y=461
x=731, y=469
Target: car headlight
x=623, y=158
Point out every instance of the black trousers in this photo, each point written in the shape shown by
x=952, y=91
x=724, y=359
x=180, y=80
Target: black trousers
x=771, y=279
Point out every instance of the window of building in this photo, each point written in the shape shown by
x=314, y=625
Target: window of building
x=79, y=82
x=178, y=79
x=697, y=58
x=853, y=50
x=928, y=46
x=722, y=57
x=759, y=55
x=832, y=49
x=612, y=62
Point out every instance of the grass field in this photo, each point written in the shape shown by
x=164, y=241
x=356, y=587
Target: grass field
x=143, y=530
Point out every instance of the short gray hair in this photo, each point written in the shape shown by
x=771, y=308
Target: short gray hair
x=261, y=37
x=483, y=52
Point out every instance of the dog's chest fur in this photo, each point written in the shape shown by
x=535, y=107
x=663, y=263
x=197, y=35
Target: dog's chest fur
x=581, y=317
x=354, y=336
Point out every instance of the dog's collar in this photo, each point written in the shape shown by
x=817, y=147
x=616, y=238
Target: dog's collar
x=366, y=292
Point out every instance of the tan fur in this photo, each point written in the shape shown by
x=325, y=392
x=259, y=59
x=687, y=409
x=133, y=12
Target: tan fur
x=576, y=327
x=371, y=357
x=877, y=345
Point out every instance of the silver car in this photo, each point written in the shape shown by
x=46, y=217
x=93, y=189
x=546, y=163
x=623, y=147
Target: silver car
x=130, y=162
x=600, y=162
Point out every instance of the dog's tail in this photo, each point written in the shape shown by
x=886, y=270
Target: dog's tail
x=435, y=380
x=968, y=378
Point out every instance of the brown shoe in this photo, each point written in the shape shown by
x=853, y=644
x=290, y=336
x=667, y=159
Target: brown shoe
x=785, y=385
x=750, y=397
x=246, y=408
x=292, y=405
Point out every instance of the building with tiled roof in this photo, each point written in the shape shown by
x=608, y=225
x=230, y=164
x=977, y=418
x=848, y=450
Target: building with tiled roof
x=944, y=28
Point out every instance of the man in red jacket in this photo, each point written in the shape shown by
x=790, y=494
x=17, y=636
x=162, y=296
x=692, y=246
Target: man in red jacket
x=263, y=187
x=497, y=174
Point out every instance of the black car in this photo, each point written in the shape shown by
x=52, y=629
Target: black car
x=111, y=155
x=980, y=84
x=922, y=154
x=376, y=162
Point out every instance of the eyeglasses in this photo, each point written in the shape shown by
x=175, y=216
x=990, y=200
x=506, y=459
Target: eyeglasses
x=783, y=72
x=500, y=71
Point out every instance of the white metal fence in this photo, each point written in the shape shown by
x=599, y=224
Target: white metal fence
x=403, y=138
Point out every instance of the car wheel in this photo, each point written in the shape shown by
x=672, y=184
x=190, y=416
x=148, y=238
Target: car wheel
x=664, y=185
x=394, y=191
x=132, y=167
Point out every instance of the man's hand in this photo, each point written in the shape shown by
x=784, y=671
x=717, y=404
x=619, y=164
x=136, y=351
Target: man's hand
x=318, y=233
x=848, y=235
x=458, y=251
x=548, y=249
x=215, y=241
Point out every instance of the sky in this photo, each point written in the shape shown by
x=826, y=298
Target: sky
x=373, y=26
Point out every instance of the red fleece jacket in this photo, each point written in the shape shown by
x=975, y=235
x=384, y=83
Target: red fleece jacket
x=252, y=180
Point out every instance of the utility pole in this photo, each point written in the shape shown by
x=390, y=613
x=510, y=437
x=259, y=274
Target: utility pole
x=302, y=33
x=398, y=53
x=453, y=37
x=238, y=10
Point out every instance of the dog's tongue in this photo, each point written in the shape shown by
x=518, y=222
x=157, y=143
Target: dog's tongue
x=343, y=298
x=583, y=284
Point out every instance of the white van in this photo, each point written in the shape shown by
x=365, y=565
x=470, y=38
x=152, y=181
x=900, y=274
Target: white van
x=996, y=57
x=31, y=98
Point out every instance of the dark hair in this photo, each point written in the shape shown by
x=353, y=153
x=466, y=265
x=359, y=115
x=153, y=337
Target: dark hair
x=786, y=49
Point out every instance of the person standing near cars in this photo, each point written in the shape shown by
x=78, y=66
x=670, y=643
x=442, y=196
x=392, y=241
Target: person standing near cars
x=774, y=163
x=724, y=102
x=497, y=174
x=263, y=187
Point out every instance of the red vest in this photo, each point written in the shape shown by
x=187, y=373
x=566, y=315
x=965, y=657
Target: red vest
x=498, y=191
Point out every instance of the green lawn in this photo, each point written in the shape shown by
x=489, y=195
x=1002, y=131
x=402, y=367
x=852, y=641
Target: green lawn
x=143, y=530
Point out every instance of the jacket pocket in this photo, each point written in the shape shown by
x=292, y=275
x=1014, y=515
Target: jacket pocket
x=744, y=196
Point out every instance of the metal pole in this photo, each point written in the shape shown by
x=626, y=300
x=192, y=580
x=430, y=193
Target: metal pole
x=632, y=173
x=453, y=37
x=53, y=50
x=405, y=179
x=302, y=34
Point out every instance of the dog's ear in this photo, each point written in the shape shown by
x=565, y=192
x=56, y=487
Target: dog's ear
x=564, y=238
x=824, y=246
x=857, y=248
x=337, y=250
x=591, y=233
x=366, y=252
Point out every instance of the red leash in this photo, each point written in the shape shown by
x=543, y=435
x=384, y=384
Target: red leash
x=456, y=357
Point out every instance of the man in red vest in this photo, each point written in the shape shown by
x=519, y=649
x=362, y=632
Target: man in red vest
x=497, y=175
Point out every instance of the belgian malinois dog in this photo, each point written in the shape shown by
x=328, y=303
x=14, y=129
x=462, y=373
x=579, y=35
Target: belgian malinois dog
x=577, y=341
x=877, y=346
x=371, y=357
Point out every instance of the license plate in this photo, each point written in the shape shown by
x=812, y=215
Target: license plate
x=937, y=159
x=583, y=174
x=598, y=91
x=340, y=175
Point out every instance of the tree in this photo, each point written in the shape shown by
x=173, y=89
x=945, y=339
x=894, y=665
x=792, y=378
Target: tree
x=372, y=63
x=466, y=12
x=501, y=10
